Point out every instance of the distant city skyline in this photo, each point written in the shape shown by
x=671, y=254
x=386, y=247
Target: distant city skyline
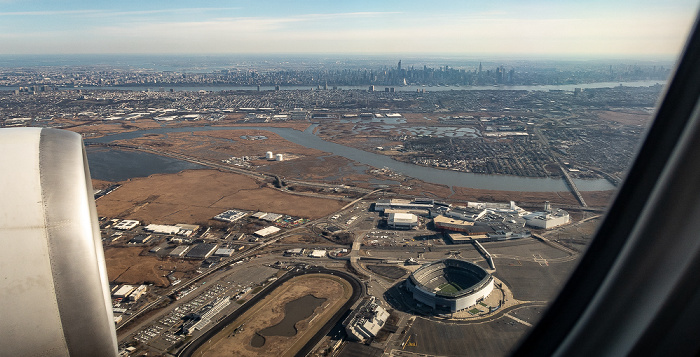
x=534, y=28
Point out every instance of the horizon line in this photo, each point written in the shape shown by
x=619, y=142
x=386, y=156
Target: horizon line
x=476, y=56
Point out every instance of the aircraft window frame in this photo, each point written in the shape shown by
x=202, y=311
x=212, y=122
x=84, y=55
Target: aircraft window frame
x=582, y=319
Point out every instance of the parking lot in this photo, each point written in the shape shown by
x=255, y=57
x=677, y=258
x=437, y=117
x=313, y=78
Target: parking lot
x=163, y=334
x=495, y=338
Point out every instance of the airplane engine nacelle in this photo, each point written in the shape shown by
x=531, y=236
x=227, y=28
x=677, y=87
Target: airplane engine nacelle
x=54, y=297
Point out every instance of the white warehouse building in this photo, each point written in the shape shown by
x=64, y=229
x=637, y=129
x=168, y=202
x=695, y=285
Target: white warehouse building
x=547, y=219
x=402, y=220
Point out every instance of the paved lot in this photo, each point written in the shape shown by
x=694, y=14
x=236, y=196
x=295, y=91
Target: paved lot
x=529, y=314
x=534, y=272
x=354, y=349
x=391, y=272
x=250, y=275
x=524, y=248
x=495, y=338
x=531, y=281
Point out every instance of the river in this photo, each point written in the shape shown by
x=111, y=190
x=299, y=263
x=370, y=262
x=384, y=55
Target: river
x=427, y=174
x=378, y=88
x=119, y=165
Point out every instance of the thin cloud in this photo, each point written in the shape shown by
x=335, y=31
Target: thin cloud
x=49, y=13
x=183, y=10
x=307, y=17
x=113, y=12
x=356, y=32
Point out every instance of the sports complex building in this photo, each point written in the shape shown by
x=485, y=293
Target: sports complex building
x=450, y=285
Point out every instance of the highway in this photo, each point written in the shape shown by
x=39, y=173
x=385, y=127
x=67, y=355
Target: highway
x=564, y=171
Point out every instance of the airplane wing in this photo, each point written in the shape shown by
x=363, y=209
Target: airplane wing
x=54, y=297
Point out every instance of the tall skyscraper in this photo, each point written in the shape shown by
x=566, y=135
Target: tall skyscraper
x=399, y=67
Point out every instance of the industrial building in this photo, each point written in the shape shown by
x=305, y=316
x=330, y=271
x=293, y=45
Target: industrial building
x=466, y=213
x=209, y=311
x=317, y=253
x=140, y=239
x=547, y=219
x=366, y=320
x=230, y=216
x=395, y=203
x=123, y=291
x=417, y=212
x=475, y=211
x=259, y=215
x=402, y=220
x=459, y=237
x=138, y=292
x=210, y=262
x=202, y=251
x=224, y=252
x=271, y=217
x=295, y=252
x=452, y=224
x=298, y=114
x=187, y=230
x=266, y=231
x=491, y=228
x=162, y=229
x=126, y=225
x=179, y=251
x=180, y=240
x=179, y=229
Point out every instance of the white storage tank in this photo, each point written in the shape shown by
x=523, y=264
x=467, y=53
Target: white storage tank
x=279, y=157
x=269, y=155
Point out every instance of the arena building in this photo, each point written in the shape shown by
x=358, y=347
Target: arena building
x=402, y=220
x=450, y=285
x=548, y=219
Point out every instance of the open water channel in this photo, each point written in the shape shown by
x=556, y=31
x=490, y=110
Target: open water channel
x=122, y=165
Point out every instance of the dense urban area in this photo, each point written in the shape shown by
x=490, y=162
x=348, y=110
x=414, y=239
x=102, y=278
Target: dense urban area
x=513, y=132
x=271, y=245
x=330, y=74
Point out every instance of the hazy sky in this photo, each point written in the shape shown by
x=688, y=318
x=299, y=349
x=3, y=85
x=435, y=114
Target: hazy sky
x=577, y=28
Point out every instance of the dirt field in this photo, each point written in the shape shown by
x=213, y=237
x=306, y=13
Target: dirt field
x=598, y=198
x=126, y=266
x=626, y=118
x=564, y=198
x=97, y=128
x=222, y=144
x=100, y=185
x=270, y=311
x=196, y=196
x=577, y=235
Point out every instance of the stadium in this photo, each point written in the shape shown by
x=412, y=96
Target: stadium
x=450, y=285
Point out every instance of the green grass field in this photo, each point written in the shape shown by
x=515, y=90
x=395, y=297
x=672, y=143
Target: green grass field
x=449, y=288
